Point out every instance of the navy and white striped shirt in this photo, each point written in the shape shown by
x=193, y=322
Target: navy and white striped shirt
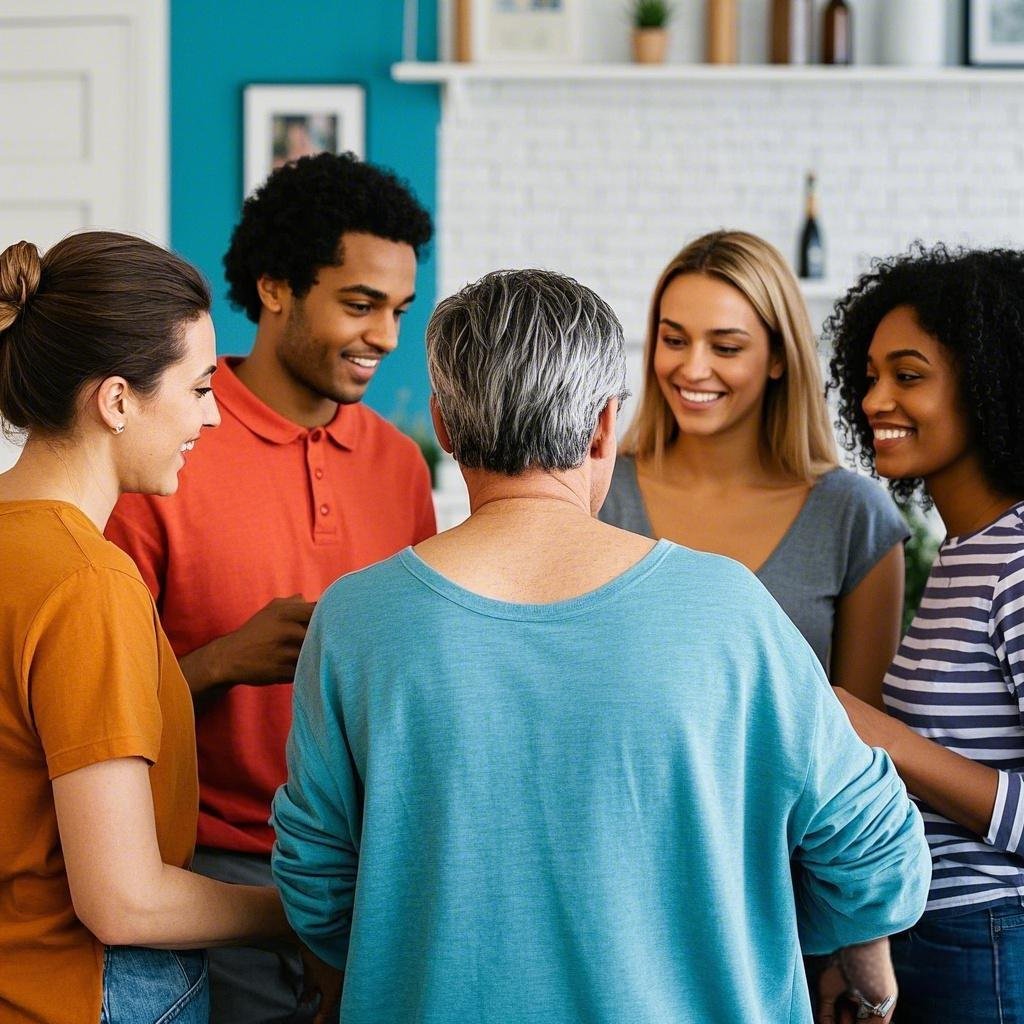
x=958, y=678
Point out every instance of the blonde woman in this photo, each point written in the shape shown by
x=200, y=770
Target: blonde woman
x=731, y=452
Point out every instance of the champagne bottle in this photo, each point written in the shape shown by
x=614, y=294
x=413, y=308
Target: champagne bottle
x=791, y=23
x=837, y=38
x=811, y=262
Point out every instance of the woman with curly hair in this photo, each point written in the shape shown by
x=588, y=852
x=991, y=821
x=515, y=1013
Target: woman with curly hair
x=929, y=366
x=731, y=452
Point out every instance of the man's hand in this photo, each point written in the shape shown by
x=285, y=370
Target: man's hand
x=262, y=650
x=865, y=969
x=321, y=979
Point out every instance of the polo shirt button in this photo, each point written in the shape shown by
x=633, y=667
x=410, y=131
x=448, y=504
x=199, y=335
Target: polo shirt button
x=324, y=509
x=315, y=435
x=318, y=473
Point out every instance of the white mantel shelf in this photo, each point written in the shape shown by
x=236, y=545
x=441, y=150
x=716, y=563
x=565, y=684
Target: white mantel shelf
x=453, y=74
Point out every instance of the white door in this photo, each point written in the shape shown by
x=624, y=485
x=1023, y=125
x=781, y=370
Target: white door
x=83, y=121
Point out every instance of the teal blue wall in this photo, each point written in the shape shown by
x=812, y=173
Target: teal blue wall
x=218, y=48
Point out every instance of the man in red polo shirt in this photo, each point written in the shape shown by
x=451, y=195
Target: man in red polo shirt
x=301, y=484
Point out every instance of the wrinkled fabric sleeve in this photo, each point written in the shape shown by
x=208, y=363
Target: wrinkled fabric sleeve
x=91, y=669
x=1006, y=829
x=863, y=865
x=316, y=813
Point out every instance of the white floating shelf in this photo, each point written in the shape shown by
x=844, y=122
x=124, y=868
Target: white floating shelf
x=449, y=74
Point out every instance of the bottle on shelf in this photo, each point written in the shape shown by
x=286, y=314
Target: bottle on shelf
x=837, y=35
x=811, y=259
x=721, y=32
x=791, y=29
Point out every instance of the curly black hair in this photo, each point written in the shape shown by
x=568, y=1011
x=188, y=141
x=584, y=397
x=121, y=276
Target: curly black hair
x=972, y=302
x=292, y=225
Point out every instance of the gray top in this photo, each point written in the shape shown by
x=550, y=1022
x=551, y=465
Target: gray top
x=846, y=525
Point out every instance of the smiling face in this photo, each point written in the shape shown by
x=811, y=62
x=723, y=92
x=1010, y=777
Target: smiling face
x=338, y=333
x=913, y=402
x=160, y=429
x=713, y=357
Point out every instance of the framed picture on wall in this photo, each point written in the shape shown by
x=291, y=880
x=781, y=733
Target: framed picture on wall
x=284, y=122
x=995, y=32
x=520, y=30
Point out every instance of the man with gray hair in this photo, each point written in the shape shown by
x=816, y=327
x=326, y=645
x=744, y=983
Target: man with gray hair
x=544, y=770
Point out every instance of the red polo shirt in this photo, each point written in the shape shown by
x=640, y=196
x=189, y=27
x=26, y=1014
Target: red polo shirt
x=265, y=509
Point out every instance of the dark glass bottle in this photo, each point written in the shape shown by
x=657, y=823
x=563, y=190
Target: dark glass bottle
x=837, y=37
x=811, y=263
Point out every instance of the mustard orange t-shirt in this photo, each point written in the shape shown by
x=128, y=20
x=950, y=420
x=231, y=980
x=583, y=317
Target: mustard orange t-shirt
x=86, y=675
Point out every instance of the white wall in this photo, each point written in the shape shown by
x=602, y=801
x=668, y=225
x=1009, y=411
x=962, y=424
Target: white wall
x=605, y=180
x=8, y=453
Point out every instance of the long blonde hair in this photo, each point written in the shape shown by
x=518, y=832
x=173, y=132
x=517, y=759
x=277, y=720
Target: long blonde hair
x=795, y=428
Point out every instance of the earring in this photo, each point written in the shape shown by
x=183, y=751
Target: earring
x=119, y=429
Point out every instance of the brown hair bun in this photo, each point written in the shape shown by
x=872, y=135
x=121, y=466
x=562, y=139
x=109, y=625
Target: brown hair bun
x=20, y=271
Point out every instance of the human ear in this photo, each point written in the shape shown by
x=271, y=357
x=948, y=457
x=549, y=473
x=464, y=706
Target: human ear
x=603, y=444
x=274, y=294
x=111, y=400
x=440, y=429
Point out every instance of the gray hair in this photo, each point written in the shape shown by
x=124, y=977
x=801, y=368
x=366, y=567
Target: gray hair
x=521, y=363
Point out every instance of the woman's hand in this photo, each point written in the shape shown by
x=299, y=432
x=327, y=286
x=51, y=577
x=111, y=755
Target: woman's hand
x=323, y=980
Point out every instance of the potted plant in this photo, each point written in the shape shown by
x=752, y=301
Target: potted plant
x=650, y=20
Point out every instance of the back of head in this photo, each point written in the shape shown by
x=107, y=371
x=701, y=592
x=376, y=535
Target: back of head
x=98, y=304
x=293, y=223
x=972, y=302
x=522, y=363
x=796, y=433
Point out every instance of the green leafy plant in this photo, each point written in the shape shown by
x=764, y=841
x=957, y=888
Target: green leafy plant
x=919, y=553
x=651, y=13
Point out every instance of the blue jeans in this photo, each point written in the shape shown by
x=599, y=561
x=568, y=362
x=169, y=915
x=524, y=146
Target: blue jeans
x=154, y=986
x=962, y=967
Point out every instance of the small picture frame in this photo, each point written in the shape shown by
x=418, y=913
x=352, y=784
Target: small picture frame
x=995, y=33
x=284, y=122
x=525, y=30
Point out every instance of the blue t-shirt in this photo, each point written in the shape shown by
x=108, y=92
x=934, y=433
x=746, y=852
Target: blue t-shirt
x=844, y=528
x=584, y=810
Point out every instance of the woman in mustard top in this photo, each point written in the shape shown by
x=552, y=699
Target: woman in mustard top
x=106, y=352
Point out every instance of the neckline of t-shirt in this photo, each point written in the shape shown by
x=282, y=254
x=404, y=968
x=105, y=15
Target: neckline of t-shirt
x=41, y=504
x=813, y=495
x=564, y=609
x=954, y=542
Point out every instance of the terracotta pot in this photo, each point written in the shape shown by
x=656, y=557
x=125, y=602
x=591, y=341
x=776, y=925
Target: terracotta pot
x=650, y=45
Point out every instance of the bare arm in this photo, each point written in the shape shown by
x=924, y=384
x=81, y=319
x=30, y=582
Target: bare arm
x=262, y=650
x=866, y=631
x=121, y=889
x=962, y=790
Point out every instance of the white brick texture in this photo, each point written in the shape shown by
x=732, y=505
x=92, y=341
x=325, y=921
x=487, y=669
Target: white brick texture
x=606, y=180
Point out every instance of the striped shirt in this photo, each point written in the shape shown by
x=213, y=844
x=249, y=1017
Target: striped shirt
x=958, y=678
